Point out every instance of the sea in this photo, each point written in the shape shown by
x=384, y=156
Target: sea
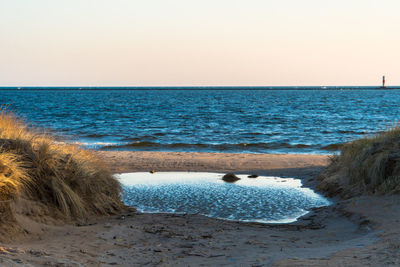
x=306, y=120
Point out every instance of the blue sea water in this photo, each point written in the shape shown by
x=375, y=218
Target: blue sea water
x=208, y=120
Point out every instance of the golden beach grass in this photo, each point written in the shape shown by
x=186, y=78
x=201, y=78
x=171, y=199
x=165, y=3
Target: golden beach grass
x=369, y=165
x=63, y=177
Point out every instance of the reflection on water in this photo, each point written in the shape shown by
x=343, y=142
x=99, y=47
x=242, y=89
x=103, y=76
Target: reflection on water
x=264, y=199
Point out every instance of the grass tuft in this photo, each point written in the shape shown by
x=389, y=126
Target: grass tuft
x=64, y=177
x=369, y=165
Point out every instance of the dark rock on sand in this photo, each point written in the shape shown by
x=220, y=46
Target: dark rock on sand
x=230, y=178
x=253, y=176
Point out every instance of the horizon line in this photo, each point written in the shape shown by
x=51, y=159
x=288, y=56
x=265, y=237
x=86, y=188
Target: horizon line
x=149, y=87
x=196, y=86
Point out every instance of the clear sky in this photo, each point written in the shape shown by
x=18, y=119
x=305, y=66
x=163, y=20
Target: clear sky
x=199, y=42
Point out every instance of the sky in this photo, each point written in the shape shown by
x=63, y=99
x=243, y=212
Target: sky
x=199, y=43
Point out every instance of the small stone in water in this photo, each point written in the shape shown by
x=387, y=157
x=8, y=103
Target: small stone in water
x=230, y=178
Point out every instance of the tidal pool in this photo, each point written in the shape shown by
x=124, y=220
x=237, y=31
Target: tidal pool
x=264, y=199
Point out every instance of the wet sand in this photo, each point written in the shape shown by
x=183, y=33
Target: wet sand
x=363, y=231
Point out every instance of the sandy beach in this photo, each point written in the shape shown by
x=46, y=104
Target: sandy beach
x=361, y=231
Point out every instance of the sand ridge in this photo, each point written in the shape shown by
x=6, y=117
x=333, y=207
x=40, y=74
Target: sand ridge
x=129, y=161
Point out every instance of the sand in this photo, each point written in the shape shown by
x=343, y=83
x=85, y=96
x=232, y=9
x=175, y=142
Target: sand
x=362, y=231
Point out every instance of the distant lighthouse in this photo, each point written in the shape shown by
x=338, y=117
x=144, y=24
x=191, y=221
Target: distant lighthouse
x=383, y=81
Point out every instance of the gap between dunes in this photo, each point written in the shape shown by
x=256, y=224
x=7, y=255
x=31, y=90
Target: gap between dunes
x=331, y=233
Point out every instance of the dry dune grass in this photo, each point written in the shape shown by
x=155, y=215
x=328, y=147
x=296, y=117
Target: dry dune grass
x=69, y=180
x=366, y=166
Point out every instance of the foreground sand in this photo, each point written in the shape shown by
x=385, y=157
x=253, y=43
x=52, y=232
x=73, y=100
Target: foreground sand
x=362, y=231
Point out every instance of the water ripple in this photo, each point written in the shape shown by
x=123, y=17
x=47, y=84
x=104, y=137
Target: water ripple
x=265, y=199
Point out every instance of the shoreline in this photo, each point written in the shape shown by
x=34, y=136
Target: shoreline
x=135, y=161
x=349, y=232
x=303, y=166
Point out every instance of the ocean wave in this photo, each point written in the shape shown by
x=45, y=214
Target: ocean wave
x=92, y=144
x=95, y=135
x=218, y=147
x=345, y=132
x=332, y=147
x=352, y=132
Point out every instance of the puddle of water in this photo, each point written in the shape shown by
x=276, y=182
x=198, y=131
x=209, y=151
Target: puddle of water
x=264, y=199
